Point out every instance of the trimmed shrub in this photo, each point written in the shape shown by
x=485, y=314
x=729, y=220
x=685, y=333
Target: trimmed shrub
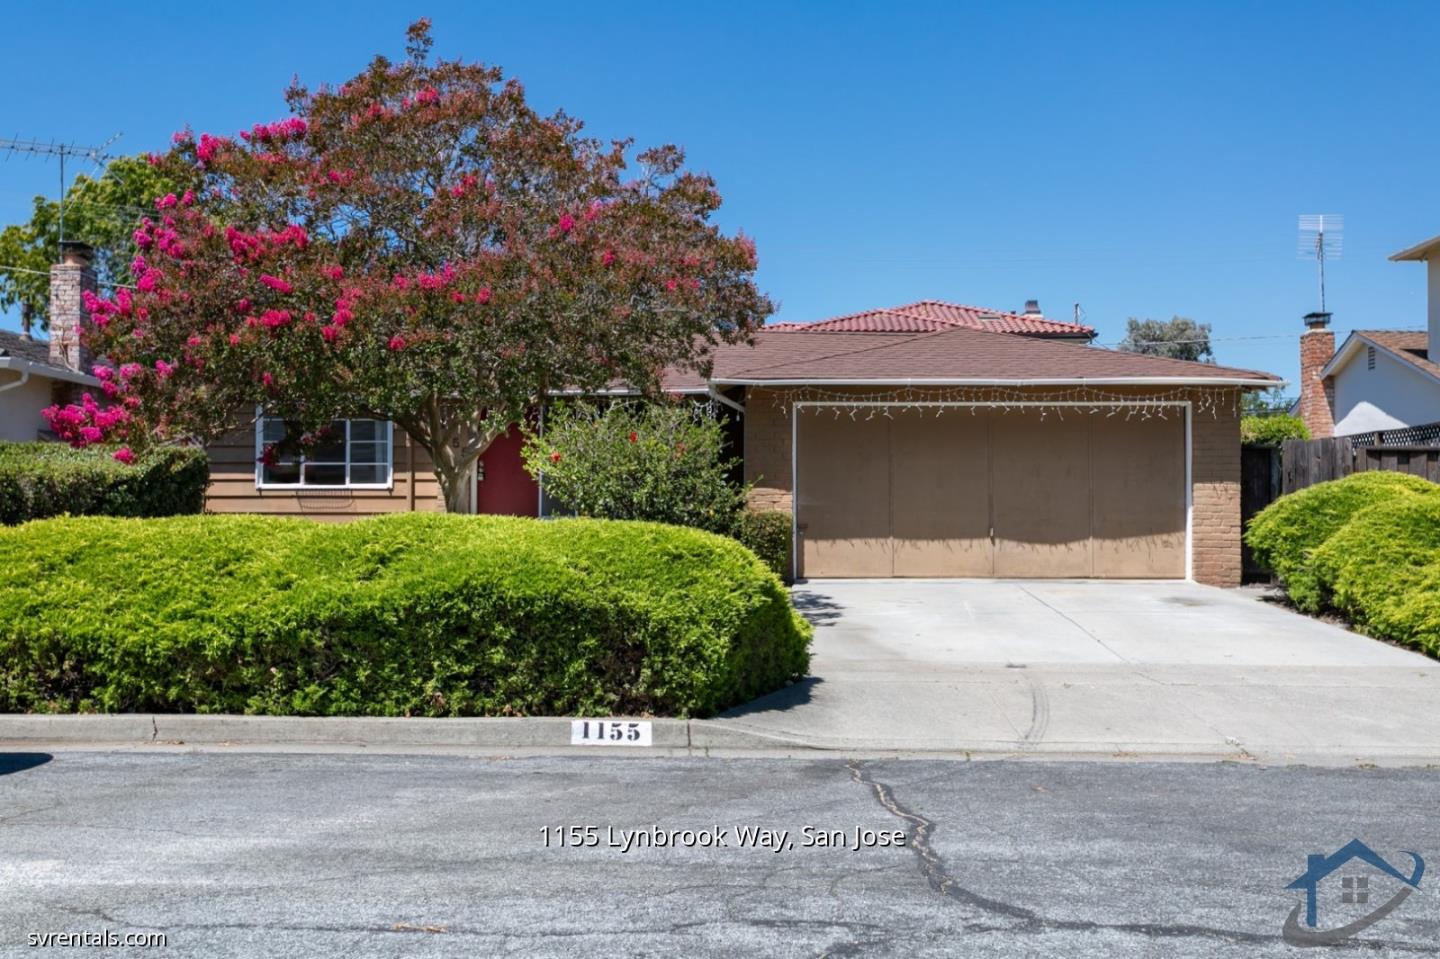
x=1382, y=570
x=636, y=460
x=1272, y=430
x=405, y=615
x=38, y=480
x=1287, y=532
x=768, y=535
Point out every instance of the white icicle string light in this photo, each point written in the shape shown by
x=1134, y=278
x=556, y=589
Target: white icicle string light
x=921, y=400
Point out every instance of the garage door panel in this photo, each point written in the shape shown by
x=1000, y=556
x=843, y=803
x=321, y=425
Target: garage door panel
x=1041, y=494
x=1139, y=496
x=940, y=478
x=844, y=503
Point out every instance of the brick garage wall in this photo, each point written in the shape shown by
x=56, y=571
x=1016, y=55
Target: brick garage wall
x=1215, y=474
x=767, y=449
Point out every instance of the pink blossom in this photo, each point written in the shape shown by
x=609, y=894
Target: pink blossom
x=187, y=198
x=607, y=257
x=163, y=369
x=124, y=455
x=146, y=283
x=274, y=319
x=267, y=380
x=483, y=296
x=102, y=373
x=234, y=339
x=275, y=283
x=330, y=333
x=166, y=201
x=333, y=272
x=566, y=224
x=193, y=340
x=397, y=342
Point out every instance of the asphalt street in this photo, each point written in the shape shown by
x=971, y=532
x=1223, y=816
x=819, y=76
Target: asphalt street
x=245, y=854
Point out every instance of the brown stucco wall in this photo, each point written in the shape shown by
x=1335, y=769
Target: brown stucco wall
x=1215, y=472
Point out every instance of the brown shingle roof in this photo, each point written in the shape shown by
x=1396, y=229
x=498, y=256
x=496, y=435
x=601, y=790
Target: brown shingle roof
x=957, y=354
x=933, y=315
x=1410, y=346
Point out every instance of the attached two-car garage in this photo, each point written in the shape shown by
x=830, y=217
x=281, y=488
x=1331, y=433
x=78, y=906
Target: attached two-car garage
x=988, y=490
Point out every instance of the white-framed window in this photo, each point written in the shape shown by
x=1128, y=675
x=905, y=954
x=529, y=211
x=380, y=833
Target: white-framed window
x=353, y=454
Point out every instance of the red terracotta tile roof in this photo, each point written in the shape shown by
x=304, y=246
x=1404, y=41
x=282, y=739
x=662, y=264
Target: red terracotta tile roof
x=934, y=315
x=958, y=354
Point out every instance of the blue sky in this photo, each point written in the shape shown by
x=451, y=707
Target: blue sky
x=1141, y=159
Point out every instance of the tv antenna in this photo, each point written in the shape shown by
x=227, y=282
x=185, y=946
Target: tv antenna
x=1322, y=236
x=13, y=145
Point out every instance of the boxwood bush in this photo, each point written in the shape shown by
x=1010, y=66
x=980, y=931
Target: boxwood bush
x=1285, y=535
x=767, y=534
x=407, y=615
x=38, y=480
x=1382, y=570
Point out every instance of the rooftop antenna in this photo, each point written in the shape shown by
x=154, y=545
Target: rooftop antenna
x=13, y=145
x=1322, y=236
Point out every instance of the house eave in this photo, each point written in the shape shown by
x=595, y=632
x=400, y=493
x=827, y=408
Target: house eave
x=21, y=365
x=1243, y=382
x=1418, y=252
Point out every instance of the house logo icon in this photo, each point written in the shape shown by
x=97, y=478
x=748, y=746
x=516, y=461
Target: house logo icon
x=1357, y=865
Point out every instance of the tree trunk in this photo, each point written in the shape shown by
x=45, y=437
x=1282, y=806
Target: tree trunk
x=455, y=443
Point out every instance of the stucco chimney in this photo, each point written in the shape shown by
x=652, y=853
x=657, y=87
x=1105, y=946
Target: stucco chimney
x=69, y=280
x=1032, y=308
x=1317, y=345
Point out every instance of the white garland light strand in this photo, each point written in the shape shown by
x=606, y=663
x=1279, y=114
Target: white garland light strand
x=868, y=404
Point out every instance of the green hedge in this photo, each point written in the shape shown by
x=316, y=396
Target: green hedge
x=408, y=615
x=1272, y=429
x=39, y=480
x=1382, y=570
x=768, y=535
x=1286, y=533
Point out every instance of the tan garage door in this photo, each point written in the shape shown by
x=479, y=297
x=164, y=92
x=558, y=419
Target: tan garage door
x=977, y=491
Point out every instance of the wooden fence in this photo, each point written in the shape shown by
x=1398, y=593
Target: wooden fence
x=1307, y=462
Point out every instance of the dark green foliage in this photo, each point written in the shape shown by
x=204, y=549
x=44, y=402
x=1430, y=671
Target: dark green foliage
x=1272, y=429
x=407, y=615
x=38, y=480
x=768, y=534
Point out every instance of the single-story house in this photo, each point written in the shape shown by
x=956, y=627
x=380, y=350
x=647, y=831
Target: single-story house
x=1378, y=380
x=37, y=373
x=925, y=440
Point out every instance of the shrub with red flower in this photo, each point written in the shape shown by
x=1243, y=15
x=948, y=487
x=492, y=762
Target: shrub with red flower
x=448, y=290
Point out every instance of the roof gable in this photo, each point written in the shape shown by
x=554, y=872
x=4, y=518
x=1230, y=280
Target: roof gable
x=1404, y=346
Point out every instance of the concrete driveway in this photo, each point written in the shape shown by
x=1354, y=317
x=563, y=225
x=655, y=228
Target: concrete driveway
x=1086, y=668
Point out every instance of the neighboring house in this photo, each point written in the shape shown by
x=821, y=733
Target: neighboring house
x=1378, y=379
x=34, y=373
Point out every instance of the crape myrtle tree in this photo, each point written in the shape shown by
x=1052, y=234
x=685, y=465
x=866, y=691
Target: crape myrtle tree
x=417, y=245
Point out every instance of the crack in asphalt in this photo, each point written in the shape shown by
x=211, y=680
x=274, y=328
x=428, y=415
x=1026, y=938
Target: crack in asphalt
x=936, y=872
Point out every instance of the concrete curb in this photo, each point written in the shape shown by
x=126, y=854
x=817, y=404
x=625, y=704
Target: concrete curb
x=137, y=729
x=670, y=737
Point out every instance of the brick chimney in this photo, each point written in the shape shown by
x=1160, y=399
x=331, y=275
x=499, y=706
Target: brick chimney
x=69, y=279
x=1317, y=397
